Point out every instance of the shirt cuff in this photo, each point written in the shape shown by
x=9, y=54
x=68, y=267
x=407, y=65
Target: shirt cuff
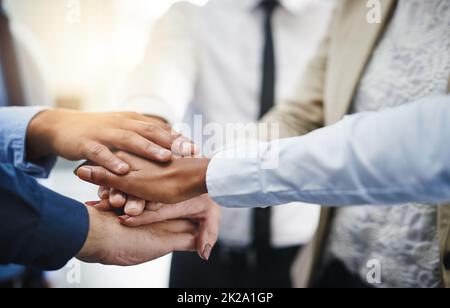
x=63, y=230
x=14, y=133
x=235, y=182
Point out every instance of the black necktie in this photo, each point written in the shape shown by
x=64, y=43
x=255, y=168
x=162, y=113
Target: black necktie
x=268, y=69
x=262, y=217
x=9, y=63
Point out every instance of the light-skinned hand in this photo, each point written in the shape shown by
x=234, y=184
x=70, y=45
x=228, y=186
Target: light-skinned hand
x=93, y=136
x=111, y=243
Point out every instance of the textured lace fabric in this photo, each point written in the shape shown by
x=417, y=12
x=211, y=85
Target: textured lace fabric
x=412, y=61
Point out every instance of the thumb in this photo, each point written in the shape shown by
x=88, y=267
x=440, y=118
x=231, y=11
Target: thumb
x=98, y=176
x=183, y=242
x=207, y=238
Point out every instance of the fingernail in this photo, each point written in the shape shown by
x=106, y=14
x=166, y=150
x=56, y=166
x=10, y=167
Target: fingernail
x=207, y=252
x=124, y=218
x=85, y=172
x=104, y=194
x=164, y=153
x=195, y=149
x=186, y=148
x=92, y=203
x=116, y=197
x=123, y=167
x=132, y=206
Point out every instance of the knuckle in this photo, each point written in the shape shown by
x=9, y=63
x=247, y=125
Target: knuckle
x=176, y=136
x=166, y=127
x=121, y=154
x=100, y=176
x=150, y=129
x=134, y=114
x=129, y=114
x=95, y=150
x=127, y=135
x=149, y=146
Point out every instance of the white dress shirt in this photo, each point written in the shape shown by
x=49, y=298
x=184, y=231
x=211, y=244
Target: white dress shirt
x=208, y=61
x=391, y=157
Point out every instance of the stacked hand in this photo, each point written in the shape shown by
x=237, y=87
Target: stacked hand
x=200, y=211
x=161, y=229
x=110, y=243
x=164, y=183
x=77, y=136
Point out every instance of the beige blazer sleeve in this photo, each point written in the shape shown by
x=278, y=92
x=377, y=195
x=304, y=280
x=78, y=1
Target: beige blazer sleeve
x=304, y=112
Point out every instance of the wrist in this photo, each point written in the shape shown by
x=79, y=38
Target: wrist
x=91, y=251
x=40, y=134
x=199, y=170
x=204, y=163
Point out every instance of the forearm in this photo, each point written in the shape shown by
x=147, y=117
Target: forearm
x=391, y=157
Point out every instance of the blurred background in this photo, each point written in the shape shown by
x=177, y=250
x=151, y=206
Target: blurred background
x=90, y=46
x=87, y=48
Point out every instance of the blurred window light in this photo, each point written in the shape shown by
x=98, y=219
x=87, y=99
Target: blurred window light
x=91, y=46
x=132, y=24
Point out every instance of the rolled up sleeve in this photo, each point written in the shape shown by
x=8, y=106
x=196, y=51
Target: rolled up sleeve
x=14, y=123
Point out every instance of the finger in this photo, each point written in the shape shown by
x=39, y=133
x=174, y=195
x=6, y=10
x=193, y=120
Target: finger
x=209, y=228
x=92, y=203
x=103, y=192
x=164, y=136
x=178, y=226
x=117, y=199
x=102, y=156
x=160, y=134
x=146, y=218
x=207, y=237
x=141, y=145
x=175, y=235
x=148, y=119
x=167, y=243
x=183, y=147
x=181, y=234
x=99, y=176
x=165, y=212
x=134, y=206
x=154, y=206
x=182, y=242
x=102, y=205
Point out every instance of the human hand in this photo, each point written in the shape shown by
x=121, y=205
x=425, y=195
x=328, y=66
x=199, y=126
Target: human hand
x=111, y=243
x=173, y=182
x=113, y=199
x=201, y=210
x=78, y=135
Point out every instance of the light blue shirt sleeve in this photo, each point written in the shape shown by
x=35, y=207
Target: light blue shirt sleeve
x=14, y=123
x=392, y=157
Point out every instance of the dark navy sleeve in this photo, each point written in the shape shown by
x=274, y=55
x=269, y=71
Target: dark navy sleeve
x=38, y=227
